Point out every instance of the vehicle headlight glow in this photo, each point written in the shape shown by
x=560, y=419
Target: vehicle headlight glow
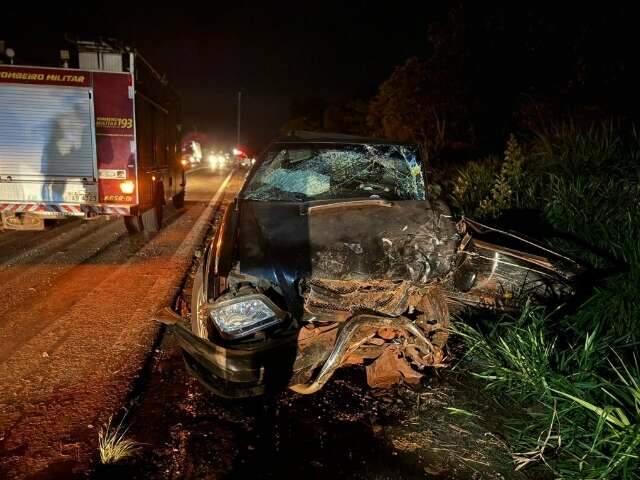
x=245, y=315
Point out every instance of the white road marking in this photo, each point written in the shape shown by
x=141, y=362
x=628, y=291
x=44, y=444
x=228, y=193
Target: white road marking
x=194, y=237
x=199, y=168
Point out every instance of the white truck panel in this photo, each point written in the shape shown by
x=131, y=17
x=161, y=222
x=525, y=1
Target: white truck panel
x=65, y=191
x=47, y=146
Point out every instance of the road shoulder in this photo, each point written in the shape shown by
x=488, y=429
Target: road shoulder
x=64, y=383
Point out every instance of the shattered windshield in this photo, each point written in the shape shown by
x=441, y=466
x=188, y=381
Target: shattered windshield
x=306, y=172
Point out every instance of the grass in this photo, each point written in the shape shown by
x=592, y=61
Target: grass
x=576, y=376
x=113, y=444
x=460, y=411
x=582, y=400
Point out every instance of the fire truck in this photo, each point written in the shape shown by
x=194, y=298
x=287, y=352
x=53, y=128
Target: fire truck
x=102, y=139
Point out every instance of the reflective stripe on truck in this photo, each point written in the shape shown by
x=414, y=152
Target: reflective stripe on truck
x=56, y=209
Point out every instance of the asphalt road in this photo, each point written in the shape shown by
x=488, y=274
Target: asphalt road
x=75, y=328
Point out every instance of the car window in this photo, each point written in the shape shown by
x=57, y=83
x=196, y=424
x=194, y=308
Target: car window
x=328, y=171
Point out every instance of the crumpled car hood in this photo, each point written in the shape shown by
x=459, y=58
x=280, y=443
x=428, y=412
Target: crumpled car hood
x=401, y=240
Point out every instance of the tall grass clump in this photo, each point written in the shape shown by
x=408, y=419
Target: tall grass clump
x=575, y=374
x=597, y=201
x=582, y=399
x=113, y=444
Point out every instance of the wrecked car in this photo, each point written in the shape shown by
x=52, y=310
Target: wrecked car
x=331, y=255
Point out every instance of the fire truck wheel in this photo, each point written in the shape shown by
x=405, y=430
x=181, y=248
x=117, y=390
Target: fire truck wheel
x=133, y=223
x=178, y=200
x=158, y=213
x=158, y=207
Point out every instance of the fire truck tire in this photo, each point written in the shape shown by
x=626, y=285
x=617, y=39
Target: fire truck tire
x=155, y=216
x=133, y=224
x=158, y=210
x=178, y=200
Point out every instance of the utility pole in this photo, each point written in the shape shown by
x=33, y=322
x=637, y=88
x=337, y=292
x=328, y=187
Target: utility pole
x=239, y=117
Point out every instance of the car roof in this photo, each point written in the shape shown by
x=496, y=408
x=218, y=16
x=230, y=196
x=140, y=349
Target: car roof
x=302, y=136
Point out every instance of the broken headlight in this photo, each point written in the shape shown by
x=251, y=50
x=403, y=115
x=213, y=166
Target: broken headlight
x=245, y=315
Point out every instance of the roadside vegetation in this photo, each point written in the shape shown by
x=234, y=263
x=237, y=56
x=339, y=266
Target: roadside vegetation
x=113, y=444
x=573, y=183
x=575, y=371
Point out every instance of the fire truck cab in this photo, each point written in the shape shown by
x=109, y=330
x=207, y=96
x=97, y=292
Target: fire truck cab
x=102, y=139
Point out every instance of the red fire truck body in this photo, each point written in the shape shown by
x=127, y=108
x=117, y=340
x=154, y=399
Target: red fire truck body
x=86, y=143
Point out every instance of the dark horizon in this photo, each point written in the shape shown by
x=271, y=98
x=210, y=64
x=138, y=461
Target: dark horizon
x=280, y=56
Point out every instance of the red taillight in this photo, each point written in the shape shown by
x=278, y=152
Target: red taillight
x=127, y=187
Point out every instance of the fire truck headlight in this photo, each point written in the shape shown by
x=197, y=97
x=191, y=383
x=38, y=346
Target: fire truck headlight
x=127, y=187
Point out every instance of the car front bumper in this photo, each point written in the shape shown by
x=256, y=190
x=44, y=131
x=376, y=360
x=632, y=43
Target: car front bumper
x=303, y=360
x=237, y=373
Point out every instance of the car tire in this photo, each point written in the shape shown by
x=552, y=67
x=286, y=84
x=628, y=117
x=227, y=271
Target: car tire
x=178, y=200
x=199, y=325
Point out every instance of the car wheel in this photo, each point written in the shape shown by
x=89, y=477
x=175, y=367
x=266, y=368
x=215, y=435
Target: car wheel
x=199, y=325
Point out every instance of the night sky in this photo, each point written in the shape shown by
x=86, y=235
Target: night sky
x=277, y=54
x=272, y=55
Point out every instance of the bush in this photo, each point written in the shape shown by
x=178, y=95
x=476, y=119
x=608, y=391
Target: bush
x=489, y=187
x=576, y=375
x=565, y=149
x=508, y=184
x=473, y=184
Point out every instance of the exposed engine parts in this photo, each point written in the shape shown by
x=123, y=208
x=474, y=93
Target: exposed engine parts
x=416, y=314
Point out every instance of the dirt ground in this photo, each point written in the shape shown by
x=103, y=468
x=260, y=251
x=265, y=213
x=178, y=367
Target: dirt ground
x=76, y=330
x=344, y=431
x=447, y=429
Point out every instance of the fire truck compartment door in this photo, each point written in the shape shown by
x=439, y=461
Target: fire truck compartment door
x=47, y=144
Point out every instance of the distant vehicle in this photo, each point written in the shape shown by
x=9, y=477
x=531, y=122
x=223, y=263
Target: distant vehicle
x=245, y=162
x=217, y=159
x=98, y=140
x=333, y=255
x=241, y=159
x=192, y=154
